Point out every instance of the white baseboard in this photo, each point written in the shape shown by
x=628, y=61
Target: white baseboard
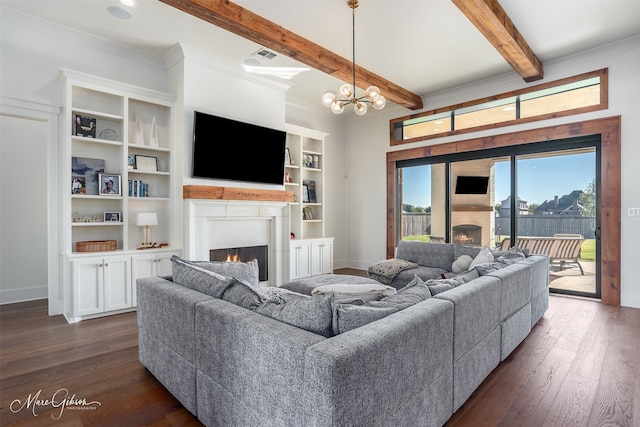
x=11, y=296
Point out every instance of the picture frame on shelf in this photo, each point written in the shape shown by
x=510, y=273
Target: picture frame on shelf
x=112, y=217
x=287, y=156
x=305, y=193
x=311, y=189
x=110, y=184
x=78, y=185
x=86, y=171
x=146, y=163
x=131, y=162
x=84, y=126
x=307, y=213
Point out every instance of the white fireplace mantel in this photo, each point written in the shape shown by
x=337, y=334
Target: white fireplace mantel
x=217, y=224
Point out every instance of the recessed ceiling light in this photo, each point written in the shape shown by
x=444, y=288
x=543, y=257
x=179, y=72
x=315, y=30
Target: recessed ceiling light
x=119, y=12
x=252, y=62
x=128, y=2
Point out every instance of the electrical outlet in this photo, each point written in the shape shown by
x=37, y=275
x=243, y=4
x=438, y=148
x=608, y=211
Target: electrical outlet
x=633, y=212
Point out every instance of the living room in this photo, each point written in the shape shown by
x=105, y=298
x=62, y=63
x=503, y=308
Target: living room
x=355, y=175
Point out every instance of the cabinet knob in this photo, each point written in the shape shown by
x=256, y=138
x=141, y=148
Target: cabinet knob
x=106, y=264
x=100, y=265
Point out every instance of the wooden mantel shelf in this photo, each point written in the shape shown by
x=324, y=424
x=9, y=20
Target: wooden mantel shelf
x=471, y=208
x=233, y=193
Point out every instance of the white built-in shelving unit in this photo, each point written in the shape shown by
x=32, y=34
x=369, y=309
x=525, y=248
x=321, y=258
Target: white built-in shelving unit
x=103, y=282
x=311, y=251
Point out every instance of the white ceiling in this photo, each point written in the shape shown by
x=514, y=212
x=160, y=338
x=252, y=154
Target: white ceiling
x=422, y=45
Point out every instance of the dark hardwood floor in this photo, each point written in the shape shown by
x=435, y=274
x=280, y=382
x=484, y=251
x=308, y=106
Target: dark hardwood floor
x=580, y=366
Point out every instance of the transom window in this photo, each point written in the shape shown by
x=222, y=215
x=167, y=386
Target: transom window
x=573, y=95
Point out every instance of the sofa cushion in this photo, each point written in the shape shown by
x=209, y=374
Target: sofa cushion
x=247, y=272
x=314, y=314
x=428, y=254
x=243, y=295
x=461, y=264
x=437, y=286
x=350, y=292
x=351, y=316
x=483, y=257
x=425, y=273
x=459, y=250
x=198, y=279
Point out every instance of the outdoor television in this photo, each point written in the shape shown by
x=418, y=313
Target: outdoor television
x=472, y=184
x=232, y=150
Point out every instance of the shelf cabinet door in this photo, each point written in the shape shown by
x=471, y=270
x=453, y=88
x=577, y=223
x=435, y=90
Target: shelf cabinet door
x=321, y=257
x=148, y=265
x=88, y=286
x=117, y=283
x=300, y=260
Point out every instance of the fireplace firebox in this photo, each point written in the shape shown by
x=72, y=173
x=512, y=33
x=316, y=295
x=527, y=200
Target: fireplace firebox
x=467, y=234
x=245, y=254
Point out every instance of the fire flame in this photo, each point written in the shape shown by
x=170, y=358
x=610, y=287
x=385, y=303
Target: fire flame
x=233, y=258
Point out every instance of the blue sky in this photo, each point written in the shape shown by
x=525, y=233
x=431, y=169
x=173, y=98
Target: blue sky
x=539, y=179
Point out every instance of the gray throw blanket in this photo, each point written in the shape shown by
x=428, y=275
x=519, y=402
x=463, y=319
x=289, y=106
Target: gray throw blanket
x=385, y=271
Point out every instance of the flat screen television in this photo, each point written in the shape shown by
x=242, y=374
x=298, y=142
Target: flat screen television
x=472, y=184
x=231, y=150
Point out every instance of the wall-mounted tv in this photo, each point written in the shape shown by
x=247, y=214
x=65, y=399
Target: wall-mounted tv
x=472, y=184
x=232, y=150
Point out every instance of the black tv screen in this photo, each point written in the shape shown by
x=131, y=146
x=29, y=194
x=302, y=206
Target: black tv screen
x=472, y=184
x=231, y=150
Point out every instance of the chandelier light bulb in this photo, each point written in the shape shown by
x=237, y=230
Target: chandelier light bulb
x=329, y=98
x=360, y=108
x=372, y=93
x=337, y=107
x=346, y=90
x=379, y=103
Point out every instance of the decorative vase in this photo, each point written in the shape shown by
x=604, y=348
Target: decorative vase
x=138, y=136
x=153, y=138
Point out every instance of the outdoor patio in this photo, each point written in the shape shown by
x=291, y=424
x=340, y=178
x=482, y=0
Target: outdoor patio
x=571, y=279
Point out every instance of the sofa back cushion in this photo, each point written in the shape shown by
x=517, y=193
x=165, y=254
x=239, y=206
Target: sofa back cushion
x=440, y=255
x=198, y=278
x=314, y=313
x=351, y=316
x=248, y=272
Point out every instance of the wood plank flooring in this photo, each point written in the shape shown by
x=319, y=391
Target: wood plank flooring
x=580, y=366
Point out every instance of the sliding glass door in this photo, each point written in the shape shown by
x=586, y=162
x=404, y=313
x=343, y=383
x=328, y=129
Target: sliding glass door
x=541, y=197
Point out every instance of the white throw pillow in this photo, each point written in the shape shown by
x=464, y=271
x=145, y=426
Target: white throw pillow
x=346, y=293
x=461, y=264
x=483, y=257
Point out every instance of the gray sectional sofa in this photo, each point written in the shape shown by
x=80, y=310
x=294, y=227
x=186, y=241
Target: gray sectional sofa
x=232, y=365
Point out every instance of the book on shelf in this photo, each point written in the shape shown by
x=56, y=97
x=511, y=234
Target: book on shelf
x=311, y=189
x=137, y=188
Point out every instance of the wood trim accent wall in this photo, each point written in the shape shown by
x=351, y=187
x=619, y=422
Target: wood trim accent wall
x=609, y=130
x=233, y=193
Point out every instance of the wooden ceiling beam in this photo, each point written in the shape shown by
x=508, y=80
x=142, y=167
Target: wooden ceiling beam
x=492, y=21
x=246, y=24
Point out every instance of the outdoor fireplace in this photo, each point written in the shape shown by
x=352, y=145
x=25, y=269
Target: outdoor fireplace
x=245, y=254
x=467, y=234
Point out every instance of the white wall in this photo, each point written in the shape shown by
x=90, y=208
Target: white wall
x=368, y=143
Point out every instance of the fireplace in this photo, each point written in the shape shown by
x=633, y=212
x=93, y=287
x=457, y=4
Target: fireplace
x=245, y=254
x=467, y=234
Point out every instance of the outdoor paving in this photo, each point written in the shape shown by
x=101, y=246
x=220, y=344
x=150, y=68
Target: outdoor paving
x=571, y=279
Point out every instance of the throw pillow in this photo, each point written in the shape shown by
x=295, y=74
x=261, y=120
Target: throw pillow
x=461, y=264
x=198, y=279
x=313, y=314
x=350, y=292
x=243, y=295
x=350, y=316
x=247, y=272
x=483, y=257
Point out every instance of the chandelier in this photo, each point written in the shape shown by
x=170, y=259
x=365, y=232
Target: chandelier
x=347, y=91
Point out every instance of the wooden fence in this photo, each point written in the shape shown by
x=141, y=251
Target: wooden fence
x=418, y=223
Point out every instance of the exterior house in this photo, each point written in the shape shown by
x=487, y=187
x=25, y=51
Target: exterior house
x=505, y=207
x=569, y=205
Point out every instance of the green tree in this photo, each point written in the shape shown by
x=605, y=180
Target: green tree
x=587, y=199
